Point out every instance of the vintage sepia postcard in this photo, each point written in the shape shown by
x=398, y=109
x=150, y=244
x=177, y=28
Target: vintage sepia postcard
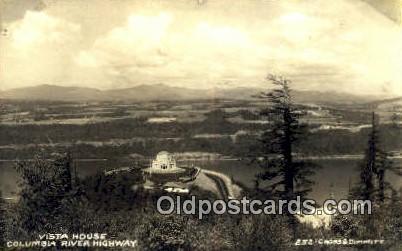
x=201, y=125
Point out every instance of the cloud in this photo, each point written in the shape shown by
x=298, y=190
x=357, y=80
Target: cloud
x=38, y=50
x=149, y=48
x=37, y=29
x=184, y=44
x=139, y=43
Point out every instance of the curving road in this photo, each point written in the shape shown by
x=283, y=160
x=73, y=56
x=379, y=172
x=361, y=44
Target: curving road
x=223, y=182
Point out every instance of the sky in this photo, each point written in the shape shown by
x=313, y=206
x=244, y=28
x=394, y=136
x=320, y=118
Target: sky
x=342, y=45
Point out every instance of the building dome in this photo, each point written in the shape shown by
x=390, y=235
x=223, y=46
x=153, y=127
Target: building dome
x=164, y=161
x=163, y=154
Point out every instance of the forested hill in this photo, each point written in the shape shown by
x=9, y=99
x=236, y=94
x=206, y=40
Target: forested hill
x=164, y=92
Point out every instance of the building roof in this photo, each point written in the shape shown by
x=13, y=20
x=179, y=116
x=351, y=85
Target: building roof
x=163, y=153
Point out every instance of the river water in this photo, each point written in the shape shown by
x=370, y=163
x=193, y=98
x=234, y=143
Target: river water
x=333, y=179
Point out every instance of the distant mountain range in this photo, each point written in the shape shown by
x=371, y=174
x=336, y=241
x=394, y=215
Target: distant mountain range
x=164, y=92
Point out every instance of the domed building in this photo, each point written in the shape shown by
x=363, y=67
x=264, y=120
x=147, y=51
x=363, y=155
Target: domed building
x=164, y=161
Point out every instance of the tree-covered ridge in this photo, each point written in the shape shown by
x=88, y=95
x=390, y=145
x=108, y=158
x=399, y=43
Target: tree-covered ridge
x=54, y=199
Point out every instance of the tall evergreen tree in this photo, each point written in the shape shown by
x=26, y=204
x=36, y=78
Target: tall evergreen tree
x=283, y=175
x=369, y=167
x=376, y=163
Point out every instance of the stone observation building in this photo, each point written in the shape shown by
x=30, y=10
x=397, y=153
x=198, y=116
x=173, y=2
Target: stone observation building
x=164, y=161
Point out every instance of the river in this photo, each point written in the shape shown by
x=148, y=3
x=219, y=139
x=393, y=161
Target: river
x=335, y=176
